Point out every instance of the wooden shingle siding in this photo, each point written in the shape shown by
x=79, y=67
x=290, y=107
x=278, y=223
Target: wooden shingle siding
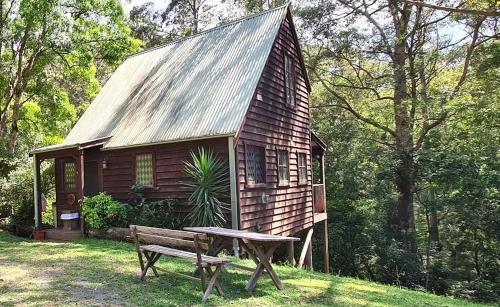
x=168, y=168
x=271, y=123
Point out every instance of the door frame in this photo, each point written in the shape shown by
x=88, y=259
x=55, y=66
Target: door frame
x=99, y=173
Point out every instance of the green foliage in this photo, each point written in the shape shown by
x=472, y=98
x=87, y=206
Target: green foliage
x=209, y=183
x=16, y=196
x=102, y=211
x=48, y=215
x=159, y=213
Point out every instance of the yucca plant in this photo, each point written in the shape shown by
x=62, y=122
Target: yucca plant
x=209, y=183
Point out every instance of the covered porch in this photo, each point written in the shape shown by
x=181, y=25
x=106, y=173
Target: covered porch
x=320, y=216
x=78, y=173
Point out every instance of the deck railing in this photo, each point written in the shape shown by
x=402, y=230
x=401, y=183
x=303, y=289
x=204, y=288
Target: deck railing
x=319, y=199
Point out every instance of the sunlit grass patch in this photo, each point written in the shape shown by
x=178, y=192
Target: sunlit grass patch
x=95, y=272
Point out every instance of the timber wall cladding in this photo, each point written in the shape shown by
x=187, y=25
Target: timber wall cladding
x=271, y=123
x=168, y=168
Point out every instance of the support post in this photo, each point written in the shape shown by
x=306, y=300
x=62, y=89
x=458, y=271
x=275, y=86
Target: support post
x=322, y=168
x=309, y=257
x=291, y=253
x=305, y=248
x=80, y=162
x=36, y=190
x=233, y=191
x=326, y=252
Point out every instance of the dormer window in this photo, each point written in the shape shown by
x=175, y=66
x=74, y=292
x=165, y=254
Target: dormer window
x=290, y=80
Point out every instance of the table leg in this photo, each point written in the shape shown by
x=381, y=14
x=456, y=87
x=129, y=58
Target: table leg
x=262, y=254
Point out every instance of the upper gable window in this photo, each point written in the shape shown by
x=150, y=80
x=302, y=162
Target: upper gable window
x=290, y=80
x=144, y=169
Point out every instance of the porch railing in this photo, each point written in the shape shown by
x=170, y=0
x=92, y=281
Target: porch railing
x=319, y=198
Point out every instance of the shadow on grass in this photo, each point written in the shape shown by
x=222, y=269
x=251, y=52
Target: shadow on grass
x=101, y=272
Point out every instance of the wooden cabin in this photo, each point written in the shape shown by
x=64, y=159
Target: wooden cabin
x=240, y=89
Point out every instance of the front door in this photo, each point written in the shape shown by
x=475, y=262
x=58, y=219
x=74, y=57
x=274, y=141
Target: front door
x=91, y=174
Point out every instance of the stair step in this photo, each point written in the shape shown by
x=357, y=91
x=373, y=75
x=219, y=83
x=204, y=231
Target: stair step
x=63, y=235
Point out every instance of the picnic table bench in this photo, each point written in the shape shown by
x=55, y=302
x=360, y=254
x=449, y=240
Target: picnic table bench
x=174, y=243
x=259, y=247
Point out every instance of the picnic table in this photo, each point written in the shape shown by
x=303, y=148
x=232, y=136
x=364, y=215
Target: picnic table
x=259, y=247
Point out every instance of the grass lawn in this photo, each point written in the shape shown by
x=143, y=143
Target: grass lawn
x=95, y=272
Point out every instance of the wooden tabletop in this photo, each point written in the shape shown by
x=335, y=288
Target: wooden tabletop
x=240, y=234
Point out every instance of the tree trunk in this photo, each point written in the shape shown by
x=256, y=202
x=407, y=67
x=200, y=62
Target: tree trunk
x=195, y=16
x=16, y=115
x=433, y=226
x=404, y=169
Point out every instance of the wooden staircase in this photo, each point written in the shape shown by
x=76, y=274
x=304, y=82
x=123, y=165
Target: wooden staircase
x=60, y=234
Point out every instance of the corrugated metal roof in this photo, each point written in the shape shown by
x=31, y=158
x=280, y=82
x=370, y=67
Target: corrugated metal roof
x=197, y=87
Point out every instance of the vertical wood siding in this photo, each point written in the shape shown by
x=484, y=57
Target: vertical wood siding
x=271, y=123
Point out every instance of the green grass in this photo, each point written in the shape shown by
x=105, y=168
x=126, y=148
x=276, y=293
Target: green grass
x=95, y=272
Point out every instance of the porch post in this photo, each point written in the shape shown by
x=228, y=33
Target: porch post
x=81, y=182
x=323, y=168
x=326, y=252
x=233, y=190
x=36, y=190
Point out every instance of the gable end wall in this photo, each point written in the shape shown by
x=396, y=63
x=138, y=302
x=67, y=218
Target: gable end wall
x=269, y=122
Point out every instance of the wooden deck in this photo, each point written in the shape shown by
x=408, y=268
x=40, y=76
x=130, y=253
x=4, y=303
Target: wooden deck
x=60, y=234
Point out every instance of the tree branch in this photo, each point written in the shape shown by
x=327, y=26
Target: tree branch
x=347, y=106
x=489, y=13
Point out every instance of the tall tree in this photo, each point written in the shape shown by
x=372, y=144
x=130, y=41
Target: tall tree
x=42, y=41
x=186, y=14
x=147, y=25
x=383, y=61
x=254, y=6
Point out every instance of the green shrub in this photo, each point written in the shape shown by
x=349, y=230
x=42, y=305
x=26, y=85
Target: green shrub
x=160, y=213
x=48, y=215
x=209, y=183
x=102, y=211
x=16, y=192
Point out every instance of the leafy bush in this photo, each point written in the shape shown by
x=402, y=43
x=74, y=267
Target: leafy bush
x=16, y=192
x=48, y=215
x=102, y=211
x=209, y=183
x=160, y=213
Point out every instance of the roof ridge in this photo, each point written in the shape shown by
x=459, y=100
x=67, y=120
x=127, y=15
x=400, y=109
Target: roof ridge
x=230, y=23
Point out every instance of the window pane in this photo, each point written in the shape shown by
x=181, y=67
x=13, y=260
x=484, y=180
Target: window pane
x=69, y=176
x=255, y=163
x=283, y=166
x=144, y=169
x=302, y=166
x=289, y=81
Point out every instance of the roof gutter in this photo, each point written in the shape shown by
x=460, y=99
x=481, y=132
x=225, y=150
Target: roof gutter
x=168, y=142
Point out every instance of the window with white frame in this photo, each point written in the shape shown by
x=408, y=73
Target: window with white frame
x=290, y=80
x=283, y=167
x=302, y=167
x=255, y=162
x=144, y=169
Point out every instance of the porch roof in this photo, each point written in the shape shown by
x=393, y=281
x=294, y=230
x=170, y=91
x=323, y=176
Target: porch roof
x=53, y=151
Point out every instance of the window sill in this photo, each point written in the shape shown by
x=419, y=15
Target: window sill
x=284, y=184
x=256, y=185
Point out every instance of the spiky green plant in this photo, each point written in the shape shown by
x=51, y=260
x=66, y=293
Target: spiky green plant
x=209, y=183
